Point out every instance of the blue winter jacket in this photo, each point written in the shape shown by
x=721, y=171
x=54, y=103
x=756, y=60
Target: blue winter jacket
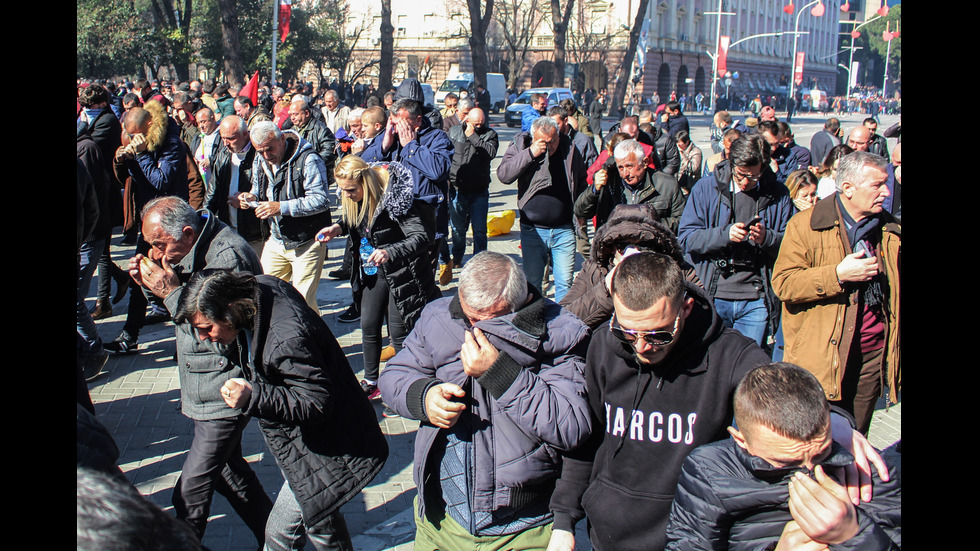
x=708, y=216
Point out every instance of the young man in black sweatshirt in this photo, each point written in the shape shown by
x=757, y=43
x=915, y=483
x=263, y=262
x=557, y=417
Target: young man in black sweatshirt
x=660, y=380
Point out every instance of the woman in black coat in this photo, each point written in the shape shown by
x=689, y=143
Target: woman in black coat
x=378, y=204
x=316, y=422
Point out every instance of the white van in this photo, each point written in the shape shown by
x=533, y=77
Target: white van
x=496, y=85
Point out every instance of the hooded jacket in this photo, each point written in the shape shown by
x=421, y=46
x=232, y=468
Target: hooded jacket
x=315, y=418
x=530, y=404
x=162, y=168
x=645, y=422
x=638, y=225
x=405, y=228
x=708, y=216
x=728, y=499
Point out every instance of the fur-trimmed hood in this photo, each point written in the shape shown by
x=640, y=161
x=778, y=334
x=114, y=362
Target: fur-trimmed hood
x=398, y=196
x=156, y=136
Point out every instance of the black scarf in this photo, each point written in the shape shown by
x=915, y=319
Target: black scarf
x=865, y=234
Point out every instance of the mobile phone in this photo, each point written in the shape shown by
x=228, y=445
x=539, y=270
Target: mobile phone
x=754, y=221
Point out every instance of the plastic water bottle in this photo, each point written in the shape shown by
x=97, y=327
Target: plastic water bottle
x=370, y=268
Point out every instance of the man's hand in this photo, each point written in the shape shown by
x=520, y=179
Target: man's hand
x=138, y=143
x=267, y=209
x=391, y=131
x=757, y=233
x=856, y=268
x=244, y=198
x=477, y=353
x=470, y=129
x=794, y=539
x=600, y=178
x=439, y=407
x=160, y=279
x=123, y=153
x=236, y=392
x=357, y=146
x=405, y=131
x=561, y=540
x=857, y=476
x=538, y=148
x=737, y=232
x=821, y=508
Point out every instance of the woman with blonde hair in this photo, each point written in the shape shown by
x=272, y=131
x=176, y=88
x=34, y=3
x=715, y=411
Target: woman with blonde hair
x=802, y=186
x=396, y=279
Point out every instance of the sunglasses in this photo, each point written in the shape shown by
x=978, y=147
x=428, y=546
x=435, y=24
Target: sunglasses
x=653, y=338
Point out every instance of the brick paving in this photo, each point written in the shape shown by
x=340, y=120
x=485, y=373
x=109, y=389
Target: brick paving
x=138, y=398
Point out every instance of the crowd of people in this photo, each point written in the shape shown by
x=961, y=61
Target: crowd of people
x=705, y=380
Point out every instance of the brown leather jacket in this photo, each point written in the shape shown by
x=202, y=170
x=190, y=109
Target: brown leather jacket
x=819, y=315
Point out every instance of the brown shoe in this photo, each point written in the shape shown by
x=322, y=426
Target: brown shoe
x=102, y=309
x=445, y=273
x=387, y=353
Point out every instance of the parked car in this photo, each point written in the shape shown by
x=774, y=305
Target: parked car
x=514, y=111
x=465, y=81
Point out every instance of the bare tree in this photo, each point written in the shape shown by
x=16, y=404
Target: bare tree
x=517, y=20
x=479, y=26
x=559, y=26
x=385, y=69
x=584, y=45
x=624, y=76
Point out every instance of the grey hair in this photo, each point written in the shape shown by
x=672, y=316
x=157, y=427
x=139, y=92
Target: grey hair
x=853, y=165
x=490, y=277
x=175, y=215
x=264, y=131
x=627, y=148
x=303, y=104
x=356, y=113
x=465, y=104
x=544, y=124
x=332, y=93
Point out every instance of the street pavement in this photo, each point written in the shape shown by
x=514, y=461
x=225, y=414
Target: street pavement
x=138, y=396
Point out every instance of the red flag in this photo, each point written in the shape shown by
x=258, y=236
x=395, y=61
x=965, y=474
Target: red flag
x=251, y=89
x=285, y=8
x=723, y=55
x=798, y=70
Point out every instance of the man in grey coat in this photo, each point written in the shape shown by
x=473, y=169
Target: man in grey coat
x=495, y=374
x=184, y=241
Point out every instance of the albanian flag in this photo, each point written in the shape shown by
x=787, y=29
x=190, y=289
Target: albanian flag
x=285, y=8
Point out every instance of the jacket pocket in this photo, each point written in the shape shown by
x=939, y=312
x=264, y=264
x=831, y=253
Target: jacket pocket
x=204, y=374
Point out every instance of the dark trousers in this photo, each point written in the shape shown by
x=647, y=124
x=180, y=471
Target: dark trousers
x=862, y=386
x=108, y=271
x=376, y=302
x=136, y=314
x=215, y=463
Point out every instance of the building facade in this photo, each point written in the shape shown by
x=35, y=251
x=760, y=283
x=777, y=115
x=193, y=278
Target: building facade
x=431, y=42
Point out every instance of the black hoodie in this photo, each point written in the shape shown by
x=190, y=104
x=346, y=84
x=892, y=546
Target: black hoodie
x=645, y=423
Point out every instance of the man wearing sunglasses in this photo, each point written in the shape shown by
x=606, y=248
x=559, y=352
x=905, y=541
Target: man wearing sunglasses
x=731, y=227
x=660, y=380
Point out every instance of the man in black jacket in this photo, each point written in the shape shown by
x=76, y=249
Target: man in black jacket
x=660, y=380
x=756, y=490
x=231, y=175
x=475, y=146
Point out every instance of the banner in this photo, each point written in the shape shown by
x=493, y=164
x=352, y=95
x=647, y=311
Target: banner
x=285, y=9
x=723, y=55
x=798, y=69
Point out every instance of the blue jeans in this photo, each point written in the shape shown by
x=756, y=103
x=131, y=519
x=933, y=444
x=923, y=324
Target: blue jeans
x=466, y=209
x=748, y=317
x=88, y=258
x=537, y=243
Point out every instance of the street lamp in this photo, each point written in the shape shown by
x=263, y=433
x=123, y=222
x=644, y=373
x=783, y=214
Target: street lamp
x=817, y=11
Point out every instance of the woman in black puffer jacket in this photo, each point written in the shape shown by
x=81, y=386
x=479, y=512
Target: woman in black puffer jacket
x=628, y=226
x=378, y=204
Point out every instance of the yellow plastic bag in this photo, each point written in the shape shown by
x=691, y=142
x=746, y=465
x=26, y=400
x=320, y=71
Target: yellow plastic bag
x=499, y=223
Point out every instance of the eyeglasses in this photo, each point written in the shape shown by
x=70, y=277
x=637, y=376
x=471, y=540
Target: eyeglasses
x=750, y=177
x=653, y=338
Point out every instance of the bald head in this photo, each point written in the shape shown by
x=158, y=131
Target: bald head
x=897, y=156
x=859, y=138
x=476, y=118
x=138, y=121
x=233, y=132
